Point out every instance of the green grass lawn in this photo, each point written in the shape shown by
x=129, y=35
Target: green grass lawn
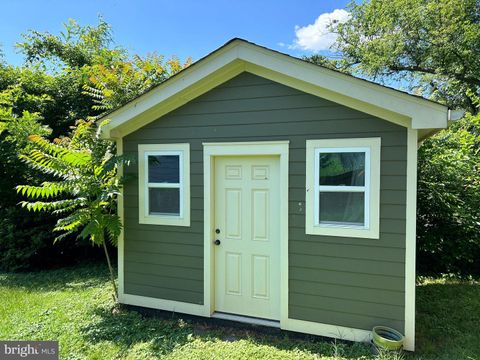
x=75, y=307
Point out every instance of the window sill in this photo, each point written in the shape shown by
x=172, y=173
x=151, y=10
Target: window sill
x=164, y=220
x=343, y=232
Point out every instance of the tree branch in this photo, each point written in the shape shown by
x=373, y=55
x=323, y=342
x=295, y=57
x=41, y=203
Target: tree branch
x=415, y=68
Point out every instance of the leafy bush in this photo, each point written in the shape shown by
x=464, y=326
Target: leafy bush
x=449, y=200
x=26, y=243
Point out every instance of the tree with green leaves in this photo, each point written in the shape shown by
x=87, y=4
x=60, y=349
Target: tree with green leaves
x=449, y=200
x=66, y=61
x=77, y=74
x=432, y=44
x=24, y=238
x=44, y=97
x=113, y=86
x=75, y=47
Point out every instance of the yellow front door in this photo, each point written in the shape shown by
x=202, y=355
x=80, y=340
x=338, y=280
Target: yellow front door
x=247, y=234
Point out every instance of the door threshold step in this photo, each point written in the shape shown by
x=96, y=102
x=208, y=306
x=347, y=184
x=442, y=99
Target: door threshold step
x=246, y=319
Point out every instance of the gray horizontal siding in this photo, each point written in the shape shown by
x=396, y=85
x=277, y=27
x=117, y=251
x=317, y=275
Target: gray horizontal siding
x=346, y=264
x=339, y=291
x=348, y=318
x=270, y=130
x=182, y=293
x=343, y=281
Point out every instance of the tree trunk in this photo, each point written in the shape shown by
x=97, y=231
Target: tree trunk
x=112, y=277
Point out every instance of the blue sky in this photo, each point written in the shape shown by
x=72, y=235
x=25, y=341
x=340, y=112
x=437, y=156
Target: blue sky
x=184, y=28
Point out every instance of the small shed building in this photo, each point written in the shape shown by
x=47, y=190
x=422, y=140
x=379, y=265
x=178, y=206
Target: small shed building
x=273, y=191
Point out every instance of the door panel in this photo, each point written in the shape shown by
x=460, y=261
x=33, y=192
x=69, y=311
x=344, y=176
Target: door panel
x=233, y=275
x=247, y=259
x=260, y=218
x=233, y=213
x=260, y=277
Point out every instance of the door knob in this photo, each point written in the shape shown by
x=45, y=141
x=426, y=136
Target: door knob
x=217, y=242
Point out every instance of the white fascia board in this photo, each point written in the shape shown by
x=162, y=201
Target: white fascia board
x=239, y=56
x=454, y=115
x=170, y=88
x=424, y=113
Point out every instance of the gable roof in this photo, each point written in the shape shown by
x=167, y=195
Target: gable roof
x=239, y=55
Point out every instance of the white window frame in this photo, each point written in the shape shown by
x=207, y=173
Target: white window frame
x=183, y=152
x=339, y=188
x=371, y=189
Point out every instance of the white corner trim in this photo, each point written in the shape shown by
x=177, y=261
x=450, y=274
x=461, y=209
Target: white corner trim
x=183, y=151
x=410, y=245
x=210, y=150
x=161, y=304
x=120, y=209
x=372, y=147
x=331, y=331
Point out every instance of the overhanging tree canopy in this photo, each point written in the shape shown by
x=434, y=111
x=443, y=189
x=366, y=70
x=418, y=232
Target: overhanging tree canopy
x=435, y=44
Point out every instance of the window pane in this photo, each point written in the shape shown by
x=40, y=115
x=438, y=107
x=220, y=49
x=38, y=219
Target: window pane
x=342, y=208
x=164, y=201
x=164, y=169
x=347, y=169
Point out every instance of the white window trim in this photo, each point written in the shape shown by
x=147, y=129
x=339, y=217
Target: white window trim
x=371, y=148
x=183, y=151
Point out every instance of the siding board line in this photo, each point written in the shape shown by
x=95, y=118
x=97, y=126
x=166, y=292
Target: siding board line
x=164, y=293
x=347, y=292
x=349, y=313
x=353, y=251
x=348, y=278
x=346, y=264
x=348, y=319
x=179, y=271
x=386, y=311
x=166, y=281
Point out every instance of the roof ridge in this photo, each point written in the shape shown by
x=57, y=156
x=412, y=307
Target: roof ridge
x=239, y=39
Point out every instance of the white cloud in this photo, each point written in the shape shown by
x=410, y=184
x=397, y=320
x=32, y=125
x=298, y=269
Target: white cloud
x=318, y=36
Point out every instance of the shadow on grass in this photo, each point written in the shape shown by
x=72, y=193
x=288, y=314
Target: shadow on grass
x=448, y=320
x=165, y=332
x=76, y=277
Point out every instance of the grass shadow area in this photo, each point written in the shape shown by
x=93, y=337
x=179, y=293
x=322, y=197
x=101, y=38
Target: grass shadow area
x=85, y=275
x=448, y=319
x=127, y=329
x=168, y=335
